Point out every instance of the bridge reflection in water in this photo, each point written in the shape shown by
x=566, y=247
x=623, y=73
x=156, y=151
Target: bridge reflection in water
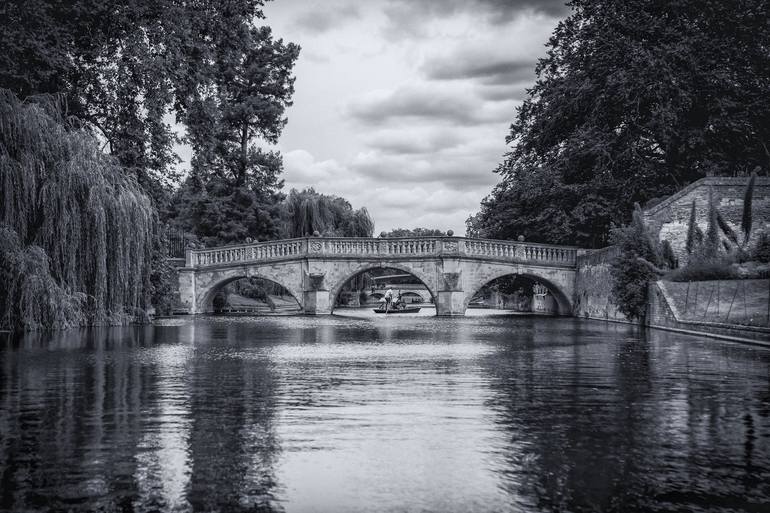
x=314, y=270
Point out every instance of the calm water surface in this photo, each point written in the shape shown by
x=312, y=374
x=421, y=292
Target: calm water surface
x=481, y=414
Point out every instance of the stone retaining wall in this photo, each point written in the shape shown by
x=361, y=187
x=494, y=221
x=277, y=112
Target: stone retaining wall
x=661, y=315
x=593, y=285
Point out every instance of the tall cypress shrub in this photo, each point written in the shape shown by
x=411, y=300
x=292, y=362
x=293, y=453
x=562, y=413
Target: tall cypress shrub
x=746, y=219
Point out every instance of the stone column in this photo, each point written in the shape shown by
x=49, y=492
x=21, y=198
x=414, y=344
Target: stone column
x=317, y=302
x=187, y=293
x=316, y=296
x=450, y=300
x=450, y=303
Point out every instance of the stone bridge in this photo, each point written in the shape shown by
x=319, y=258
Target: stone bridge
x=315, y=269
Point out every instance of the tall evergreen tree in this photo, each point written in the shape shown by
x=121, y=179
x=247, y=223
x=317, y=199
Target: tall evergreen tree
x=692, y=230
x=712, y=242
x=633, y=100
x=746, y=219
x=233, y=190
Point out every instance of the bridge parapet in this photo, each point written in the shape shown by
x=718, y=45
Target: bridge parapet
x=257, y=252
x=521, y=251
x=396, y=248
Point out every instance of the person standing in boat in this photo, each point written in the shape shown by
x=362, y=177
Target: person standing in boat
x=388, y=298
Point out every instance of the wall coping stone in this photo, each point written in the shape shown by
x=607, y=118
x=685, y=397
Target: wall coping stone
x=707, y=181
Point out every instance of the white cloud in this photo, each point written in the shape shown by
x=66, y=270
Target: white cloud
x=410, y=120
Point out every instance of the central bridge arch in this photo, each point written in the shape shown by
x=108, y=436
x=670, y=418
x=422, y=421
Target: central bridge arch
x=356, y=269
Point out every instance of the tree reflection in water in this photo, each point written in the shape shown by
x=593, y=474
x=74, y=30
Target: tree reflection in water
x=334, y=414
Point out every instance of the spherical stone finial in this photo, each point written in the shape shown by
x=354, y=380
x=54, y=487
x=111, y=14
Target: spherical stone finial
x=316, y=233
x=450, y=233
x=383, y=235
x=520, y=238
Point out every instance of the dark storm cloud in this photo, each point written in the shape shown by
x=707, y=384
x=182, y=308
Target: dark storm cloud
x=405, y=142
x=319, y=20
x=492, y=70
x=503, y=92
x=454, y=172
x=425, y=103
x=406, y=15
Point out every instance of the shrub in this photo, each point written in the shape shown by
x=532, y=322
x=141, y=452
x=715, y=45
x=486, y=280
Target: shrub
x=705, y=270
x=638, y=264
x=746, y=219
x=32, y=299
x=667, y=253
x=761, y=252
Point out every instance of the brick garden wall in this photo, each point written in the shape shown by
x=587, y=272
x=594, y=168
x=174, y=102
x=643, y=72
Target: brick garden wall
x=669, y=218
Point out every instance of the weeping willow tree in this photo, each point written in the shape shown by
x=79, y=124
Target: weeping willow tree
x=77, y=231
x=307, y=212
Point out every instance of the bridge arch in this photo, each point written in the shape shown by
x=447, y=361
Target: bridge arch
x=420, y=274
x=561, y=297
x=210, y=287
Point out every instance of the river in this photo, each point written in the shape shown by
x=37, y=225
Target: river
x=383, y=414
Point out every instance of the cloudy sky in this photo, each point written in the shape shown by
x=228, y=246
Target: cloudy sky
x=403, y=106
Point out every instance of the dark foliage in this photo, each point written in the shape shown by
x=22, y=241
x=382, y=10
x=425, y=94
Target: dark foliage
x=712, y=243
x=217, y=212
x=761, y=252
x=726, y=229
x=415, y=232
x=705, y=269
x=306, y=212
x=668, y=256
x=78, y=225
x=692, y=231
x=636, y=266
x=746, y=219
x=122, y=67
x=633, y=101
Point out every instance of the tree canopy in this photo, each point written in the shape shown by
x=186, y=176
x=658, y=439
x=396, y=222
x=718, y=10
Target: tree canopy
x=77, y=233
x=632, y=101
x=415, y=232
x=232, y=191
x=121, y=78
x=128, y=69
x=307, y=212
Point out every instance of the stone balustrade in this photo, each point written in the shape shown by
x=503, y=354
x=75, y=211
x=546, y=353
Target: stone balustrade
x=424, y=247
x=260, y=251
